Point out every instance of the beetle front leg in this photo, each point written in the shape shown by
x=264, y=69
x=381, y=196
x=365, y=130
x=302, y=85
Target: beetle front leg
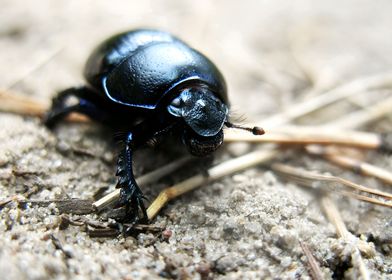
x=130, y=195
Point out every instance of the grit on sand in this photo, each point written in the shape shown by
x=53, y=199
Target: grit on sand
x=246, y=226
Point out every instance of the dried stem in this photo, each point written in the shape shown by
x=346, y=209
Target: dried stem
x=12, y=102
x=143, y=180
x=70, y=206
x=301, y=135
x=214, y=173
x=309, y=178
x=57, y=244
x=353, y=164
x=364, y=116
x=35, y=67
x=16, y=103
x=315, y=270
x=333, y=215
x=378, y=81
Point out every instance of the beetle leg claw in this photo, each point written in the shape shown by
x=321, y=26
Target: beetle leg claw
x=132, y=198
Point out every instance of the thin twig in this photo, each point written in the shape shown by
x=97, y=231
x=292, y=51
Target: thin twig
x=364, y=116
x=214, y=173
x=15, y=198
x=353, y=164
x=69, y=206
x=357, y=261
x=103, y=232
x=333, y=215
x=99, y=229
x=366, y=199
x=12, y=102
x=377, y=81
x=57, y=244
x=302, y=135
x=143, y=180
x=36, y=67
x=309, y=178
x=314, y=266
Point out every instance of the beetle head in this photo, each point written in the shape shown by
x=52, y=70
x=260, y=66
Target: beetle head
x=201, y=110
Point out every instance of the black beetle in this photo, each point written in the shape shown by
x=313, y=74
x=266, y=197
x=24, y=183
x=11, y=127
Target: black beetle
x=149, y=83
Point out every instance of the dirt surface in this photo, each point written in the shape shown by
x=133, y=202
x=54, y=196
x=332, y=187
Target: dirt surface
x=245, y=226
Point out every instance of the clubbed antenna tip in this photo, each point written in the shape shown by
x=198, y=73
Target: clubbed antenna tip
x=255, y=130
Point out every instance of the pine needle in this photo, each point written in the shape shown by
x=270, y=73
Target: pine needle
x=314, y=266
x=306, y=135
x=356, y=165
x=334, y=183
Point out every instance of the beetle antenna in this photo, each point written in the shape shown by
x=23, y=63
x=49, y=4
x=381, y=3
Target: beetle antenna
x=255, y=130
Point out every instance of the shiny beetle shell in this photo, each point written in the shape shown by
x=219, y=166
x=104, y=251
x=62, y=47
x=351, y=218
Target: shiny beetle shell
x=141, y=67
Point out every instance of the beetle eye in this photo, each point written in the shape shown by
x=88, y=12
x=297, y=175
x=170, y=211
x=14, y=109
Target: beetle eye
x=176, y=102
x=175, y=107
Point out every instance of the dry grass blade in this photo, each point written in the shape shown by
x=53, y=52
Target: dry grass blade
x=309, y=178
x=383, y=80
x=11, y=102
x=15, y=198
x=97, y=228
x=353, y=164
x=57, y=244
x=364, y=116
x=334, y=216
x=36, y=67
x=358, y=246
x=143, y=180
x=70, y=206
x=366, y=199
x=362, y=167
x=301, y=135
x=216, y=172
x=315, y=270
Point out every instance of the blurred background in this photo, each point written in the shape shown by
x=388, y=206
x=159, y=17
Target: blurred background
x=269, y=51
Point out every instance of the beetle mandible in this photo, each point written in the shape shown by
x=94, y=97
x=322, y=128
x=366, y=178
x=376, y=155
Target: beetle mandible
x=149, y=83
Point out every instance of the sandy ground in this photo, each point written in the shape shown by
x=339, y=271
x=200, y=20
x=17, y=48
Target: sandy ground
x=272, y=53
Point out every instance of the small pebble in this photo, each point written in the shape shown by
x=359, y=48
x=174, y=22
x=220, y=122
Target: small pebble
x=203, y=269
x=166, y=234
